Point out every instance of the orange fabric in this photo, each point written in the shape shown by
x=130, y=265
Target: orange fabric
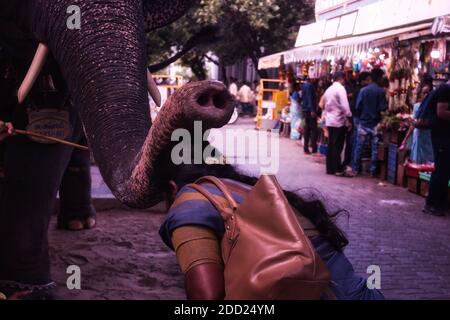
x=196, y=245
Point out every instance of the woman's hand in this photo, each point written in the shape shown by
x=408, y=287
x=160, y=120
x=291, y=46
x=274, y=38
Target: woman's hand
x=6, y=130
x=402, y=146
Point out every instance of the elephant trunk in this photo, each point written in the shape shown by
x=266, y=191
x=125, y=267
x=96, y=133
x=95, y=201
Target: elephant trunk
x=104, y=64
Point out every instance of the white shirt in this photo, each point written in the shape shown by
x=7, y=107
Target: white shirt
x=233, y=89
x=336, y=106
x=245, y=94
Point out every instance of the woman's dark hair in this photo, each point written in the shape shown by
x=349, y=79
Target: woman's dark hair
x=313, y=209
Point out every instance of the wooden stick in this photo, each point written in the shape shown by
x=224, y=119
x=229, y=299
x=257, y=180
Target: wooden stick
x=41, y=136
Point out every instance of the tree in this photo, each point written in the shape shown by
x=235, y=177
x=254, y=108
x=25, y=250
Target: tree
x=243, y=29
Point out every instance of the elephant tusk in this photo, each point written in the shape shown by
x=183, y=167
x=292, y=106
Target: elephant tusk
x=33, y=72
x=153, y=89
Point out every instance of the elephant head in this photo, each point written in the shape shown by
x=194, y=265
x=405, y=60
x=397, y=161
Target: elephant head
x=104, y=66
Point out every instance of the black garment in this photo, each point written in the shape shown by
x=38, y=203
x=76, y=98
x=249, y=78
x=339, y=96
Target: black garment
x=310, y=132
x=336, y=137
x=441, y=128
x=440, y=138
x=33, y=174
x=247, y=108
x=438, y=193
x=350, y=137
x=353, y=100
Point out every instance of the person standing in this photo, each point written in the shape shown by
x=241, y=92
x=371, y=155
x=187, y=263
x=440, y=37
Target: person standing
x=370, y=103
x=337, y=115
x=233, y=88
x=246, y=97
x=295, y=111
x=350, y=138
x=437, y=200
x=421, y=147
x=309, y=111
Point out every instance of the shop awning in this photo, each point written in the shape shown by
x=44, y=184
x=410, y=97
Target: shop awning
x=303, y=54
x=344, y=47
x=310, y=34
x=358, y=44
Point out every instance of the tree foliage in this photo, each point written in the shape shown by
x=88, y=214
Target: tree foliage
x=242, y=29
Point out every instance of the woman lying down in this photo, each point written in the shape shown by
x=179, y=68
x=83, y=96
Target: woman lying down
x=194, y=229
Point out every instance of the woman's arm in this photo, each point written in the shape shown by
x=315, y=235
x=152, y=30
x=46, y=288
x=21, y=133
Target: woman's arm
x=405, y=141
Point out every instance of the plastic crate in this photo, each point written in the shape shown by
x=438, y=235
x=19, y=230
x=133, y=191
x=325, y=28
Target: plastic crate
x=414, y=170
x=426, y=176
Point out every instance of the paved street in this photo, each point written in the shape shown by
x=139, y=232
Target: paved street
x=124, y=258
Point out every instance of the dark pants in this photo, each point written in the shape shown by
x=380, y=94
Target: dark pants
x=336, y=137
x=438, y=193
x=350, y=137
x=32, y=175
x=247, y=108
x=310, y=132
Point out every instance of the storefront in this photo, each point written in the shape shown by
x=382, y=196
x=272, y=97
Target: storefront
x=363, y=34
x=408, y=39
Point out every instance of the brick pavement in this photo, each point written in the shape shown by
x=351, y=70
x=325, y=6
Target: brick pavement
x=385, y=227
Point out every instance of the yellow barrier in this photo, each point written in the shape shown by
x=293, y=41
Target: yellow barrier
x=271, y=101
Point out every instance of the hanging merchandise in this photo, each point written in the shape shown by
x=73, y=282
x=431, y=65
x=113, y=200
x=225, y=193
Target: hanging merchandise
x=402, y=80
x=439, y=61
x=357, y=64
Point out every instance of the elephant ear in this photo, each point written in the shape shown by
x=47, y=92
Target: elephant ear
x=159, y=13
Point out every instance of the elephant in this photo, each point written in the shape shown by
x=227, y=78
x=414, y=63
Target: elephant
x=102, y=66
